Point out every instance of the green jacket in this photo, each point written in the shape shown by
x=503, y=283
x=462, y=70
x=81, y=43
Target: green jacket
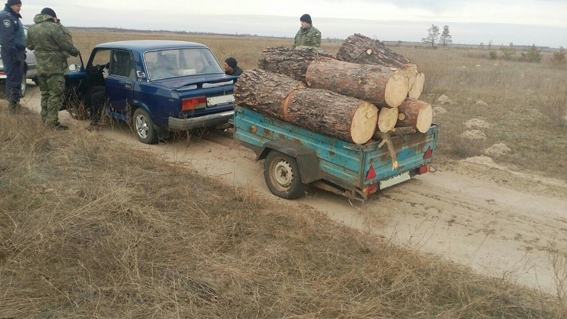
x=52, y=43
x=308, y=37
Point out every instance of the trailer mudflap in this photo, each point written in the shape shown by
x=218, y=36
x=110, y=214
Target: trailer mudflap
x=305, y=157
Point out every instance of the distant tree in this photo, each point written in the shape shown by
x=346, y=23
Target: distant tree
x=493, y=54
x=533, y=54
x=489, y=45
x=508, y=52
x=559, y=57
x=481, y=46
x=432, y=35
x=446, y=38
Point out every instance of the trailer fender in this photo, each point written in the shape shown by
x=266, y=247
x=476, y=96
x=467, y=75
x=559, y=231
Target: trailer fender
x=306, y=158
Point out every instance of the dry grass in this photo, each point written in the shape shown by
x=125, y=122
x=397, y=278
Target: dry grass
x=91, y=230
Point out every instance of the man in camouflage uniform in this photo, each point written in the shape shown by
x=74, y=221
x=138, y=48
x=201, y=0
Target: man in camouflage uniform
x=13, y=41
x=52, y=44
x=307, y=35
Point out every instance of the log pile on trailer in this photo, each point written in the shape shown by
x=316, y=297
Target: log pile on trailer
x=366, y=91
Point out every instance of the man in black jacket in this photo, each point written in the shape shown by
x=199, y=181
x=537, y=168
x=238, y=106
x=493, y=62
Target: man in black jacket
x=231, y=67
x=13, y=42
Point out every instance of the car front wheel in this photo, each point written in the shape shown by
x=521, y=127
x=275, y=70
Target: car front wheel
x=144, y=127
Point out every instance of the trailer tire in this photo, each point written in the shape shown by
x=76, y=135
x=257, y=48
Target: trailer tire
x=282, y=176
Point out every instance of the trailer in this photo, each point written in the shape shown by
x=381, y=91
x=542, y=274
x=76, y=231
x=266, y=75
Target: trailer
x=295, y=158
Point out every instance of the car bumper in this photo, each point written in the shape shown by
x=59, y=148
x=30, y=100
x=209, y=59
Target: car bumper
x=201, y=121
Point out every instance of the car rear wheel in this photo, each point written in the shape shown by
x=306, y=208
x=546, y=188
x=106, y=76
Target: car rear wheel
x=144, y=127
x=281, y=173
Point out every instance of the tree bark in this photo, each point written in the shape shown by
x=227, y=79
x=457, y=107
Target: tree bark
x=417, y=87
x=264, y=92
x=387, y=119
x=373, y=83
x=416, y=114
x=290, y=62
x=321, y=111
x=364, y=50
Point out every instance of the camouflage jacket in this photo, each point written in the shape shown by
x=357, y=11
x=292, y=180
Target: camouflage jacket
x=308, y=37
x=52, y=43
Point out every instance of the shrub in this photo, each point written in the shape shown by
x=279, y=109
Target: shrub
x=533, y=55
x=493, y=55
x=559, y=57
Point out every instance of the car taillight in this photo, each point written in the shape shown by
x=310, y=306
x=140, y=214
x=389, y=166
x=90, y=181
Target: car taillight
x=423, y=169
x=371, y=174
x=193, y=103
x=428, y=153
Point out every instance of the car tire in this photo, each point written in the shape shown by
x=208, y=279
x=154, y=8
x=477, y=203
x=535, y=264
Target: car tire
x=144, y=127
x=282, y=176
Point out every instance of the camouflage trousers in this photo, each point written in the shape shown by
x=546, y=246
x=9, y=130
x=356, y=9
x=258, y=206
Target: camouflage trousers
x=52, y=87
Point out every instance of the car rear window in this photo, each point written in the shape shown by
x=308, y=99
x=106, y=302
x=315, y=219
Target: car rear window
x=172, y=63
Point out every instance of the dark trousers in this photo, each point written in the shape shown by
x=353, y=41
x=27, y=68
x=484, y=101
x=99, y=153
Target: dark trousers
x=14, y=74
x=98, y=98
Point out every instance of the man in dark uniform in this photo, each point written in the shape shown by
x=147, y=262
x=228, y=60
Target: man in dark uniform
x=231, y=67
x=13, y=42
x=52, y=43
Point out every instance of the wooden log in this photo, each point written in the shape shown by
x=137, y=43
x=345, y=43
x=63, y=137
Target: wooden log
x=364, y=50
x=264, y=92
x=416, y=114
x=411, y=71
x=290, y=62
x=321, y=111
x=387, y=119
x=373, y=83
x=417, y=88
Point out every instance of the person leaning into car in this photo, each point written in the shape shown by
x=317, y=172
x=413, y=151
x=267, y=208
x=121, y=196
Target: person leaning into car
x=13, y=42
x=52, y=44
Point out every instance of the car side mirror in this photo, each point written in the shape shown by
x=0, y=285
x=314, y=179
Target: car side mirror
x=74, y=67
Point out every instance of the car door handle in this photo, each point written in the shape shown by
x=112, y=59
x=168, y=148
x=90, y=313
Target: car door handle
x=128, y=85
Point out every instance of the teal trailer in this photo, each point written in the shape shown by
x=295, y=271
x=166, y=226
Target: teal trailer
x=296, y=157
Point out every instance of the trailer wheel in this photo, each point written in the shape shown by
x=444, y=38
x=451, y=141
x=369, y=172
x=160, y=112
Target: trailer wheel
x=281, y=173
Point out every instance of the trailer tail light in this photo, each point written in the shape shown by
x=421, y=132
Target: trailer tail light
x=428, y=153
x=193, y=103
x=370, y=189
x=423, y=169
x=371, y=174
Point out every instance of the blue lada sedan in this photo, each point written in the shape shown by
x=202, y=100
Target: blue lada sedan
x=156, y=85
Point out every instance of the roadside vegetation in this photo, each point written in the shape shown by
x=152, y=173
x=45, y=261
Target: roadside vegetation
x=91, y=229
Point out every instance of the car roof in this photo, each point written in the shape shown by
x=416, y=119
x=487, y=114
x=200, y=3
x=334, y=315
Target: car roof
x=146, y=45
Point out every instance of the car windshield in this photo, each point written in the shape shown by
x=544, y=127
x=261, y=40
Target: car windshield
x=180, y=62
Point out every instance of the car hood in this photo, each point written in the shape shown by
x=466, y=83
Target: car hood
x=192, y=82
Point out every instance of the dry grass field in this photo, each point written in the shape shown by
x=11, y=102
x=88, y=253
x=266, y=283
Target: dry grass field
x=89, y=229
x=522, y=105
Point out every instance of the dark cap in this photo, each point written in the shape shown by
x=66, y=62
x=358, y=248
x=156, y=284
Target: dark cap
x=48, y=11
x=231, y=62
x=13, y=2
x=306, y=18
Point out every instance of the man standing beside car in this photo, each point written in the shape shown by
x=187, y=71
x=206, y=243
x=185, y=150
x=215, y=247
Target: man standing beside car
x=13, y=42
x=52, y=44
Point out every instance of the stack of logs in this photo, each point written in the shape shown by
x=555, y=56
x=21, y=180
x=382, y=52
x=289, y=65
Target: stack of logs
x=365, y=91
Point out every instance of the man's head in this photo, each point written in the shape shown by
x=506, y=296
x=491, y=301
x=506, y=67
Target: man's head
x=305, y=21
x=16, y=5
x=230, y=64
x=49, y=12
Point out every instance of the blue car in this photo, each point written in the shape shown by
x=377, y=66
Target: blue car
x=156, y=85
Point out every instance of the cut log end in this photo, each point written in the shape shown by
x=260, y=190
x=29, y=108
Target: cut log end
x=417, y=88
x=387, y=119
x=397, y=89
x=425, y=118
x=364, y=123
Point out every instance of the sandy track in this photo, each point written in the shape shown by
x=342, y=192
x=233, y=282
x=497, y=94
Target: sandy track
x=500, y=223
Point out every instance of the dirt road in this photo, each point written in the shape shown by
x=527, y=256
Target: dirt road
x=474, y=212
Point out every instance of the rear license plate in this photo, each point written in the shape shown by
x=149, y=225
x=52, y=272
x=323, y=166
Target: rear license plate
x=223, y=99
x=394, y=180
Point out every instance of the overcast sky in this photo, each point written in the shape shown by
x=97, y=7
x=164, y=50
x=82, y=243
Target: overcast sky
x=523, y=22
